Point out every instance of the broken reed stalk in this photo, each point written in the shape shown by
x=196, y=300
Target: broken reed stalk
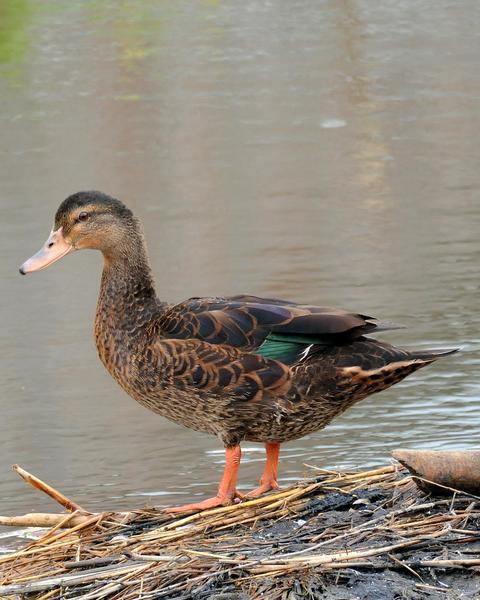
x=48, y=489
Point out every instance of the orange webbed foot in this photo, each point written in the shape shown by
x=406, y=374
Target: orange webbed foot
x=263, y=488
x=216, y=501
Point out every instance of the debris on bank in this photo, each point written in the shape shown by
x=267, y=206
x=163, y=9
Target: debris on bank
x=359, y=535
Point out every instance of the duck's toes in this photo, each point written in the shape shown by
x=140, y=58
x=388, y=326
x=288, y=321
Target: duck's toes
x=264, y=487
x=216, y=501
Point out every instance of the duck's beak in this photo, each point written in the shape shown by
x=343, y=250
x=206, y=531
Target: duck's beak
x=53, y=249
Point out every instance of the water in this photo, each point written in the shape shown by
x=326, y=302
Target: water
x=325, y=152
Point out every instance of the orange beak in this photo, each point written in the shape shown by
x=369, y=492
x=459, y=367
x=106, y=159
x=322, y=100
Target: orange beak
x=53, y=249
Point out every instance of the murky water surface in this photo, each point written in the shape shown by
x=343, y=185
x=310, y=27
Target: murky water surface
x=325, y=152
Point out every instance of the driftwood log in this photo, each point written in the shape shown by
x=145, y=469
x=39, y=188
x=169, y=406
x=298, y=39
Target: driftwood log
x=442, y=472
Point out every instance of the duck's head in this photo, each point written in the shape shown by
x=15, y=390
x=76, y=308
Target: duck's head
x=85, y=220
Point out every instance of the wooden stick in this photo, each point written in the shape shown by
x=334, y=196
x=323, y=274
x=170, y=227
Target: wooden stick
x=43, y=520
x=49, y=490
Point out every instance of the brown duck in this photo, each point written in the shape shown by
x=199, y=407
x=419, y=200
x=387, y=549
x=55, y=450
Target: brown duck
x=239, y=367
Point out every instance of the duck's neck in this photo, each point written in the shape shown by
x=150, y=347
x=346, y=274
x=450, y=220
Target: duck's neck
x=127, y=298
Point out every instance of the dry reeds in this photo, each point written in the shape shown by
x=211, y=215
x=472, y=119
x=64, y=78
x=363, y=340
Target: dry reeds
x=301, y=540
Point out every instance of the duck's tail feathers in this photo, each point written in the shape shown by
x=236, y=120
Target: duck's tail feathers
x=432, y=353
x=374, y=326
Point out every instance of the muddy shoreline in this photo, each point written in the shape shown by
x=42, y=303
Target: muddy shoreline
x=364, y=535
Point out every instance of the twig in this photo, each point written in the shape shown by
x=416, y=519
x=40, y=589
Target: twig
x=48, y=489
x=402, y=564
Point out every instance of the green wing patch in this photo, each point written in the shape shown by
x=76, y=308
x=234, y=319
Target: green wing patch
x=286, y=347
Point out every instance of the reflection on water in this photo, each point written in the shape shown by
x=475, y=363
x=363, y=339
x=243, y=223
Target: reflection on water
x=15, y=16
x=323, y=152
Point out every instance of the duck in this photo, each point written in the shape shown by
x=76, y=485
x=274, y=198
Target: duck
x=241, y=368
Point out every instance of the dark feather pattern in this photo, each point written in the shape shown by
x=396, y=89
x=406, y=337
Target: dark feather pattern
x=245, y=322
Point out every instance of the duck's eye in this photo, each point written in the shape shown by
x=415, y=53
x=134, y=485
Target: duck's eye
x=83, y=216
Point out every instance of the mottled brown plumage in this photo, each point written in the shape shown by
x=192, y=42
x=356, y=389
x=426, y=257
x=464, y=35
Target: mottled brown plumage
x=241, y=367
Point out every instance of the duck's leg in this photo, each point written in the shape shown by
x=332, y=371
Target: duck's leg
x=227, y=490
x=268, y=480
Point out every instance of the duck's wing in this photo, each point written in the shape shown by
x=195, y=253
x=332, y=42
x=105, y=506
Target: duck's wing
x=247, y=321
x=221, y=370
